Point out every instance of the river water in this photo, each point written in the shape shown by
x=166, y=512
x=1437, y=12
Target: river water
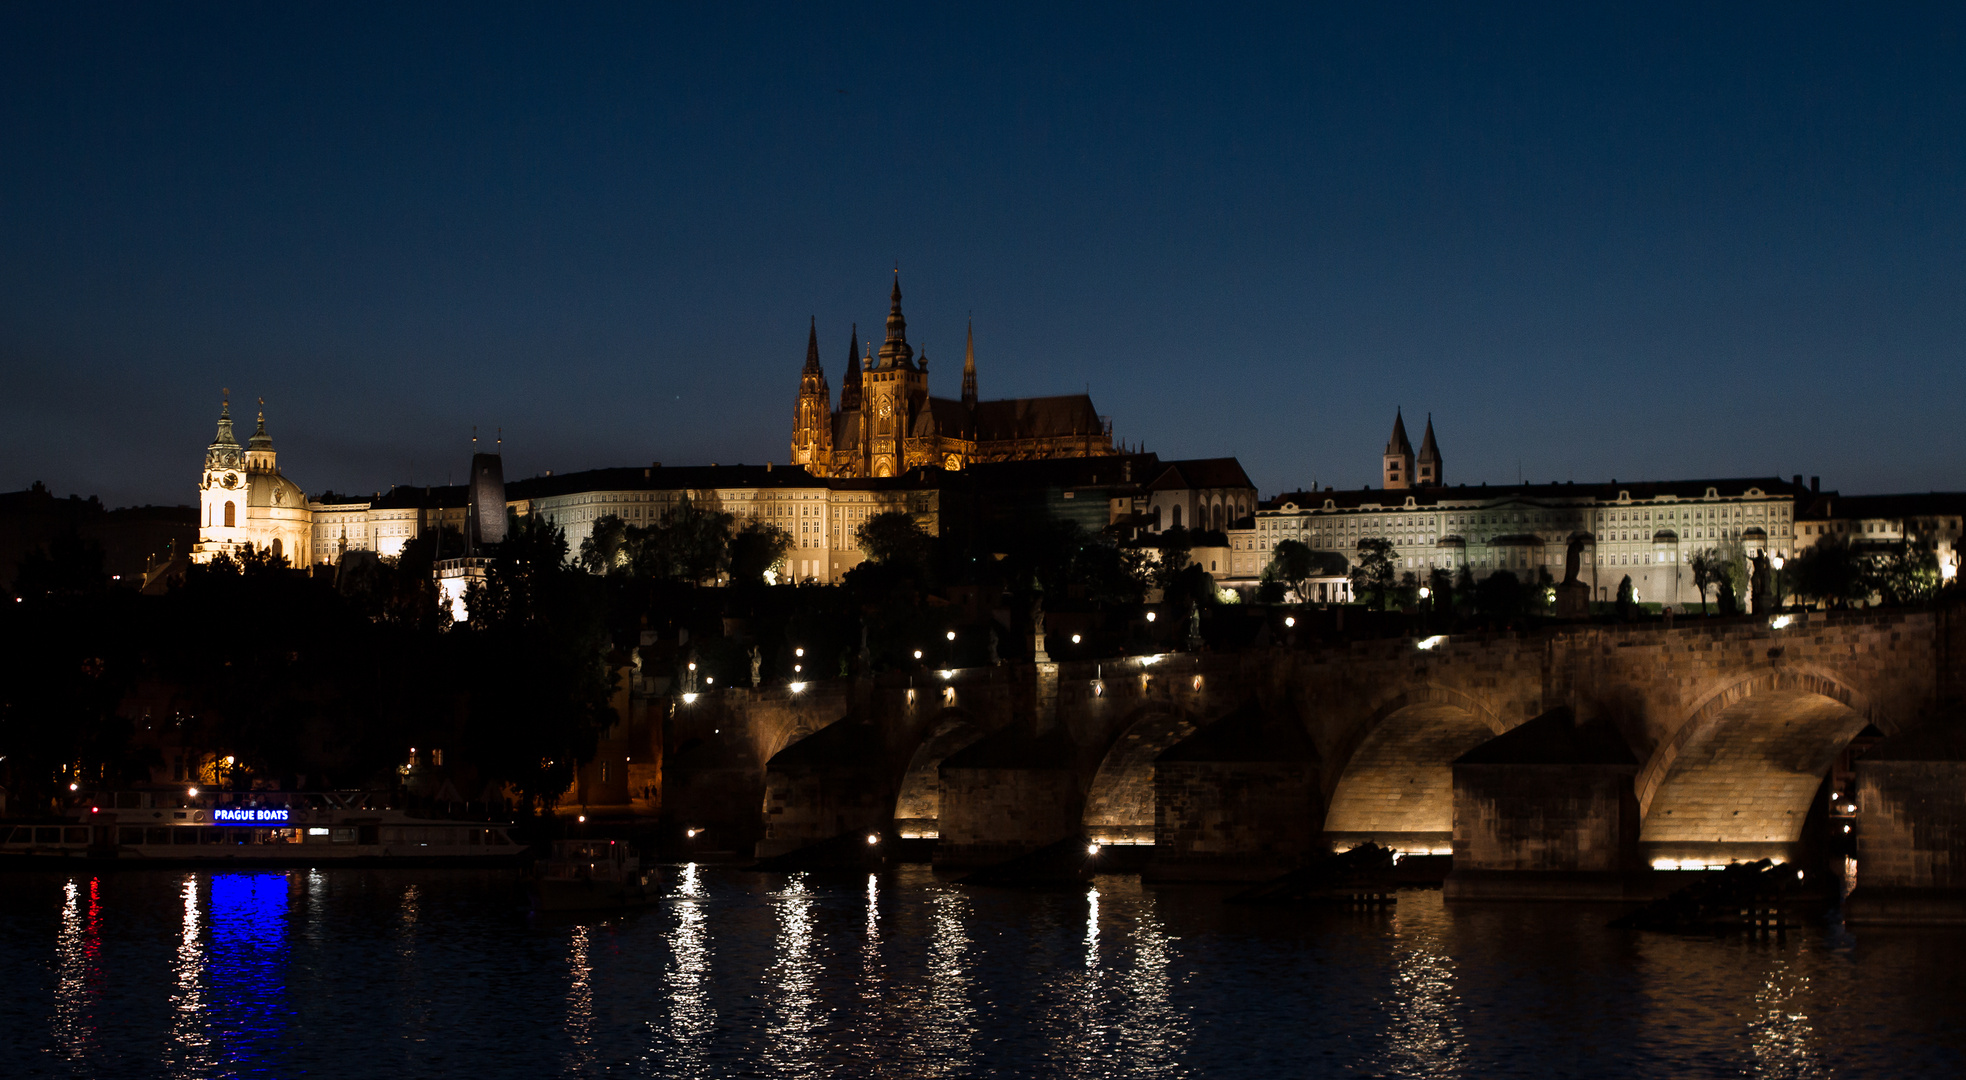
x=437, y=973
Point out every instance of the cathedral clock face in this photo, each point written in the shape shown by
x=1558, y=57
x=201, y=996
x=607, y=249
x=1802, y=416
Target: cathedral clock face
x=230, y=480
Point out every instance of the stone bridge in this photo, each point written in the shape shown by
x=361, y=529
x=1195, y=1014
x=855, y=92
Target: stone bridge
x=1651, y=745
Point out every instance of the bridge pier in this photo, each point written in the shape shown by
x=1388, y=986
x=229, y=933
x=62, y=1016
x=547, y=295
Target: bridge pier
x=828, y=783
x=1545, y=812
x=1007, y=794
x=1236, y=801
x=1911, y=829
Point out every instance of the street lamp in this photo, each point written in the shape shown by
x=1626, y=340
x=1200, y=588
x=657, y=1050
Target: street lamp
x=951, y=635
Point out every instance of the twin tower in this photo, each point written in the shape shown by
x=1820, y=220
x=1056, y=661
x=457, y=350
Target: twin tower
x=1405, y=469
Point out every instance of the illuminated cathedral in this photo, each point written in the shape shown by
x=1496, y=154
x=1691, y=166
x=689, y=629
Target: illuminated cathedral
x=888, y=423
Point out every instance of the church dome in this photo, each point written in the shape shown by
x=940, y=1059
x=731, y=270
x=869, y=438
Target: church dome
x=273, y=491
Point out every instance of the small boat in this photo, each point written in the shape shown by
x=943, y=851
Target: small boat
x=591, y=875
x=157, y=828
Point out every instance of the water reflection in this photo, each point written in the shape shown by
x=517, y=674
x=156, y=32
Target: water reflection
x=189, y=1046
x=795, y=1014
x=1423, y=1036
x=78, y=980
x=1784, y=1041
x=580, y=1002
x=943, y=1035
x=246, y=969
x=1152, y=1032
x=692, y=1018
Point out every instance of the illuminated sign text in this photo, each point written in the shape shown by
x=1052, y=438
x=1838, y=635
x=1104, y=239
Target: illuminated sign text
x=249, y=815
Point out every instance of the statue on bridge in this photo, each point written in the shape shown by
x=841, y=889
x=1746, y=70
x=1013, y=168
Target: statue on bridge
x=757, y=662
x=1194, y=625
x=1573, y=597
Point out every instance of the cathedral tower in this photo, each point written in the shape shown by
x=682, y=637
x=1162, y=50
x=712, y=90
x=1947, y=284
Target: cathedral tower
x=893, y=391
x=812, y=422
x=1399, y=457
x=1426, y=467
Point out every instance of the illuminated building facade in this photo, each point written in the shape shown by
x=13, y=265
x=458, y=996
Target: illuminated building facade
x=887, y=422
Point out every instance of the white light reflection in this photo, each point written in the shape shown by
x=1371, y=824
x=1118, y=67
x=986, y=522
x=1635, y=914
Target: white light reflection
x=1423, y=1037
x=796, y=1014
x=1784, y=1041
x=77, y=979
x=1151, y=1029
x=692, y=1018
x=189, y=1052
x=943, y=1036
x=580, y=1004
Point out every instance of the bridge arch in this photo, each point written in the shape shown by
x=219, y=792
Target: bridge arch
x=1737, y=777
x=1394, y=783
x=918, y=799
x=1119, y=807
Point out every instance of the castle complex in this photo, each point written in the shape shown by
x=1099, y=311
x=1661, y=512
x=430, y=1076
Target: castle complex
x=887, y=423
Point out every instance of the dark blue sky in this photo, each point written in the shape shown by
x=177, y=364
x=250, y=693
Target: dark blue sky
x=1714, y=240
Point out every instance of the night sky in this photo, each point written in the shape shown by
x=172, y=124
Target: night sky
x=1719, y=240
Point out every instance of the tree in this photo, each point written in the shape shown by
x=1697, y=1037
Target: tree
x=1174, y=545
x=1830, y=572
x=691, y=543
x=894, y=539
x=1294, y=564
x=1499, y=595
x=1706, y=569
x=608, y=547
x=1373, y=576
x=1908, y=573
x=758, y=548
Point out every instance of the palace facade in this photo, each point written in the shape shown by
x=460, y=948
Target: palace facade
x=887, y=422
x=1645, y=530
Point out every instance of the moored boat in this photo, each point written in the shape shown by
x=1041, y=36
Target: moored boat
x=590, y=875
x=144, y=828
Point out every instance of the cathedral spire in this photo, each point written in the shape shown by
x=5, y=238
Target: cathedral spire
x=895, y=351
x=969, y=366
x=850, y=385
x=812, y=349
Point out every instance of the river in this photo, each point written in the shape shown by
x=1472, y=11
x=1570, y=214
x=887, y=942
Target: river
x=438, y=973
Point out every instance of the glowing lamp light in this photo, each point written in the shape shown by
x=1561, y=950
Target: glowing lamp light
x=72, y=787
x=798, y=688
x=1149, y=661
x=1425, y=592
x=1092, y=849
x=1150, y=616
x=582, y=819
x=1778, y=560
x=691, y=833
x=800, y=651
x=951, y=635
x=95, y=809
x=1075, y=639
x=191, y=793
x=918, y=654
x=689, y=699
x=692, y=665
x=873, y=838
x=1289, y=621
x=1780, y=622
x=1431, y=642
x=946, y=673
x=709, y=680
